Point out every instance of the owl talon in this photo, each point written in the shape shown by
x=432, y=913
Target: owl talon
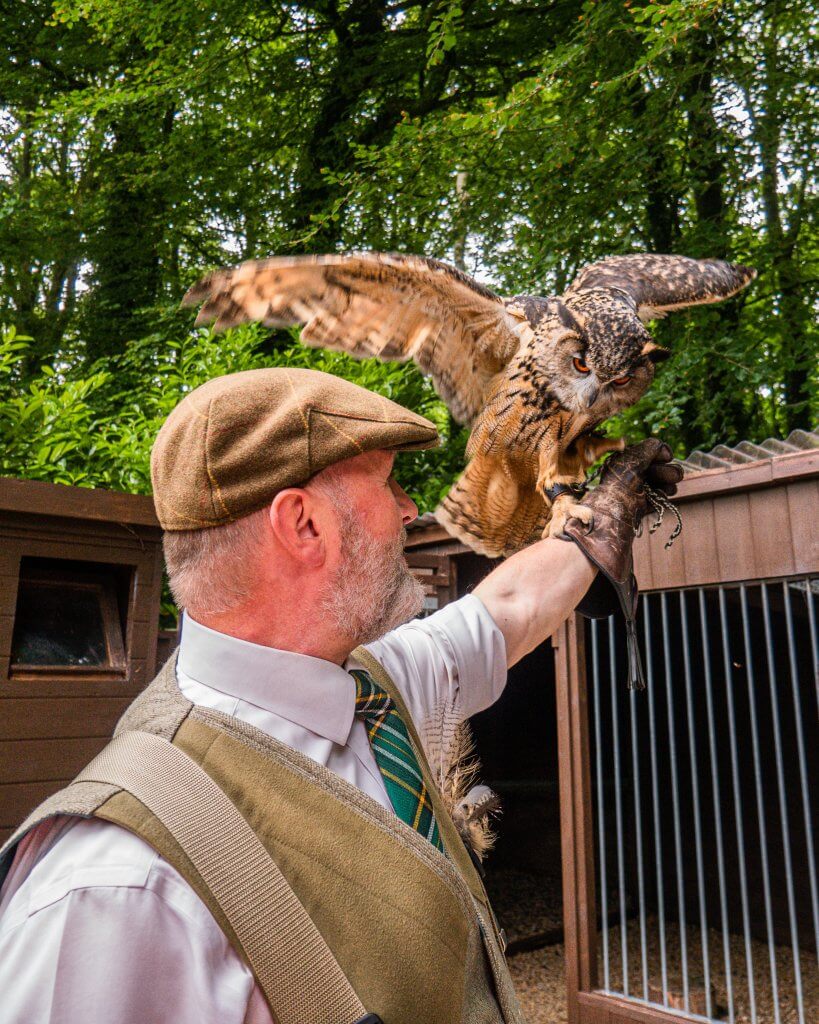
x=562, y=512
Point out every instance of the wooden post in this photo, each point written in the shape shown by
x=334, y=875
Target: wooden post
x=576, y=823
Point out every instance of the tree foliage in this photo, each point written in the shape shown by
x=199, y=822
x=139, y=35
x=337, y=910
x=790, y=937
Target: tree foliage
x=144, y=143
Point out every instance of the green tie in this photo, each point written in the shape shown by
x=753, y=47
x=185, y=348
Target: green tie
x=395, y=757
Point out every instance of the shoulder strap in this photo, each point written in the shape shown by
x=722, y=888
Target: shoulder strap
x=293, y=965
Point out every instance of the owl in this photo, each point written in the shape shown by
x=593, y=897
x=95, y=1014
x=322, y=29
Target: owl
x=534, y=377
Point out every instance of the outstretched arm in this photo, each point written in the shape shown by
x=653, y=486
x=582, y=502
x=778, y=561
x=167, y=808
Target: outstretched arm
x=533, y=591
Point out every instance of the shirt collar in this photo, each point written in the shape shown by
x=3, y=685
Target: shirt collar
x=310, y=692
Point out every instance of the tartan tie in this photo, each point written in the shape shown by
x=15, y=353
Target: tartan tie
x=395, y=757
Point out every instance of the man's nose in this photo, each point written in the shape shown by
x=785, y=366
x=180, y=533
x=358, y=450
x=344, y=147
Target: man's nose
x=409, y=510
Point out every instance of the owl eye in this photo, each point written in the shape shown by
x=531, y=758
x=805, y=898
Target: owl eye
x=620, y=382
x=580, y=366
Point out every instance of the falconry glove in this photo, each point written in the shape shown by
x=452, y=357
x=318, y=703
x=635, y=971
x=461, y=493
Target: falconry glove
x=628, y=481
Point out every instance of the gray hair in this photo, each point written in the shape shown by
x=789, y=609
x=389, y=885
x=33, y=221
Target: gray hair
x=211, y=571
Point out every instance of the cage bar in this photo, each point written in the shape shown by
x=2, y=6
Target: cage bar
x=675, y=799
x=802, y=761
x=715, y=793
x=618, y=809
x=737, y=792
x=760, y=802
x=638, y=831
x=601, y=811
x=655, y=802
x=695, y=785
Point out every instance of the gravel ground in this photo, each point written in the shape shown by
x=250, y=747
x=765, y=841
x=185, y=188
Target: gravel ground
x=525, y=904
x=538, y=975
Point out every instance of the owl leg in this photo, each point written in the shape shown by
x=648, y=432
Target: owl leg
x=565, y=507
x=551, y=472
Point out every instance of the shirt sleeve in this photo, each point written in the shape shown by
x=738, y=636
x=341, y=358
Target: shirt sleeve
x=451, y=663
x=96, y=950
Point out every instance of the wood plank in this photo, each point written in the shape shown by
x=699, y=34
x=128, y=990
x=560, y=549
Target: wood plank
x=576, y=825
x=60, y=544
x=18, y=799
x=29, y=718
x=732, y=522
x=699, y=544
x=9, y=586
x=64, y=687
x=644, y=561
x=803, y=509
x=599, y=1008
x=40, y=760
x=37, y=497
x=771, y=530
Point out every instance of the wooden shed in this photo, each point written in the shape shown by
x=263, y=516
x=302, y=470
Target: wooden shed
x=80, y=588
x=667, y=837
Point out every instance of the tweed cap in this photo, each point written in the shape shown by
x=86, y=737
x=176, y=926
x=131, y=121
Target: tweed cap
x=233, y=443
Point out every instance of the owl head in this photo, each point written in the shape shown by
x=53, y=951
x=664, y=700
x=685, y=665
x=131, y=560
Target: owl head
x=600, y=357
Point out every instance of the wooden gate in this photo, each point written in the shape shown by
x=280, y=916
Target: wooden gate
x=686, y=810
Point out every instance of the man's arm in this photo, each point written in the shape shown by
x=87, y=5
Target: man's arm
x=533, y=591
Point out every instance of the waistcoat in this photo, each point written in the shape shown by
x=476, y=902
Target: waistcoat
x=410, y=927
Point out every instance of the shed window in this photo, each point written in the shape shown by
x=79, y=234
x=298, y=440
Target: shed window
x=67, y=619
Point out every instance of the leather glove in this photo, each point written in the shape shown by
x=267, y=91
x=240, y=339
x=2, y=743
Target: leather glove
x=618, y=505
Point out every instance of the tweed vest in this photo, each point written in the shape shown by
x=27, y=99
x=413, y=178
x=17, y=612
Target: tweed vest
x=411, y=928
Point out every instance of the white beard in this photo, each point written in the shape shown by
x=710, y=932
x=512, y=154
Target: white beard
x=373, y=590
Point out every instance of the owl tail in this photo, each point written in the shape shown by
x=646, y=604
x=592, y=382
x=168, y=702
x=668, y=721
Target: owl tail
x=492, y=509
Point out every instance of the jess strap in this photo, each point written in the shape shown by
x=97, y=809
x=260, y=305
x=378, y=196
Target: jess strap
x=292, y=963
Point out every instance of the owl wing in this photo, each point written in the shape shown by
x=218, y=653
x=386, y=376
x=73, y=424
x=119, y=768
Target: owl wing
x=373, y=304
x=658, y=284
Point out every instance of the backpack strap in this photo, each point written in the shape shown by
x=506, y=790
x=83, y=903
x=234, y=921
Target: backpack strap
x=293, y=965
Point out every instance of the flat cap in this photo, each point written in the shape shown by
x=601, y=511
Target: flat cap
x=233, y=443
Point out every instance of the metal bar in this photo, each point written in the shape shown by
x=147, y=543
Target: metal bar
x=803, y=770
x=760, y=803
x=618, y=808
x=655, y=802
x=715, y=796
x=732, y=738
x=695, y=789
x=783, y=805
x=675, y=800
x=638, y=828
x=814, y=644
x=601, y=806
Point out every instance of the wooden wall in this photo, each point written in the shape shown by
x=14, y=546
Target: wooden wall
x=50, y=726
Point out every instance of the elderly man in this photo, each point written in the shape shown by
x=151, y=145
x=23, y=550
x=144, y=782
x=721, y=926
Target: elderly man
x=284, y=536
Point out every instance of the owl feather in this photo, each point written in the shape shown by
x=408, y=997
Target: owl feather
x=533, y=376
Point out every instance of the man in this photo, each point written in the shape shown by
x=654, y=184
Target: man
x=284, y=535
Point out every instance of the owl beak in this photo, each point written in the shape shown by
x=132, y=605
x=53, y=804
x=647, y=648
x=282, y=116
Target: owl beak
x=591, y=395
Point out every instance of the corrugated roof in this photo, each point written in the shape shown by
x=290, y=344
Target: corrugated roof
x=720, y=457
x=723, y=457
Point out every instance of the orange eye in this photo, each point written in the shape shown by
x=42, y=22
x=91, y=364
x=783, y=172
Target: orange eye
x=620, y=382
x=580, y=366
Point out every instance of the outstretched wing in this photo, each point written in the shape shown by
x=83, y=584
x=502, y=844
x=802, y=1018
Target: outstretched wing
x=374, y=304
x=659, y=284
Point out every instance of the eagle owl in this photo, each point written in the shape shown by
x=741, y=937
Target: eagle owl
x=532, y=376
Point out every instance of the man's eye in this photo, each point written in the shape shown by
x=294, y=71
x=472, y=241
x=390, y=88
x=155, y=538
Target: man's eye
x=580, y=366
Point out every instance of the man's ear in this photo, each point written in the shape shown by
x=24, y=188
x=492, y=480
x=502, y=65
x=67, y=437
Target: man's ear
x=297, y=526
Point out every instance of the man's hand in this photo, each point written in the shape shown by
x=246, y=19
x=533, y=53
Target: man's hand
x=533, y=592
x=618, y=505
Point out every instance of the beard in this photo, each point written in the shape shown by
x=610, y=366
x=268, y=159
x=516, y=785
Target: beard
x=372, y=591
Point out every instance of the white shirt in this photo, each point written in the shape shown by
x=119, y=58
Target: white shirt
x=96, y=927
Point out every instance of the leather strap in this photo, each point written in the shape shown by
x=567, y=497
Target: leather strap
x=292, y=963
x=576, y=490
